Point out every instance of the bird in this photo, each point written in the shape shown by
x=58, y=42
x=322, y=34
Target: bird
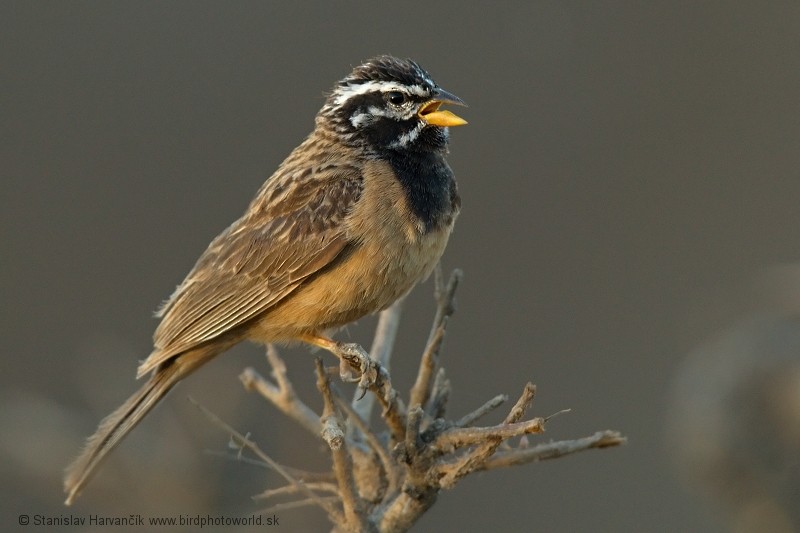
x=351, y=221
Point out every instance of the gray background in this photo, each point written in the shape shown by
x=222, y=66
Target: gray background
x=627, y=170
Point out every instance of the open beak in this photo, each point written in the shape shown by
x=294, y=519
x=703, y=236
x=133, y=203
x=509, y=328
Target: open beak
x=431, y=114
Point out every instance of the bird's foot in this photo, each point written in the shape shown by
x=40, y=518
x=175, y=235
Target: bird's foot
x=352, y=355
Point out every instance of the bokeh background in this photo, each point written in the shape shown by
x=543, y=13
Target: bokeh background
x=629, y=172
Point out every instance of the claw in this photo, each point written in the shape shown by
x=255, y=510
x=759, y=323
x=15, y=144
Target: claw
x=351, y=356
x=361, y=389
x=344, y=371
x=353, y=353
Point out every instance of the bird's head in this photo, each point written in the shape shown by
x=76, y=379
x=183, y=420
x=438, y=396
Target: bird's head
x=391, y=104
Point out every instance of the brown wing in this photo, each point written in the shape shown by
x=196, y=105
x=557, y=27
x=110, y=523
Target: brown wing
x=292, y=229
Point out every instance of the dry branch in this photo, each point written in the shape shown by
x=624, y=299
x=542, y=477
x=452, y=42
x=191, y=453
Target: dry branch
x=281, y=395
x=384, y=479
x=333, y=433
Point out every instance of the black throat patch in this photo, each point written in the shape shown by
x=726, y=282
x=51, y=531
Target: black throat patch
x=429, y=186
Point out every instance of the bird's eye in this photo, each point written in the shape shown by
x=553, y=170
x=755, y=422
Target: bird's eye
x=396, y=98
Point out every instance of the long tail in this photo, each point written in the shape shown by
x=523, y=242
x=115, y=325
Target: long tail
x=118, y=424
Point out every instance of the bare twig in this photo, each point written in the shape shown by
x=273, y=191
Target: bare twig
x=491, y=405
x=304, y=476
x=413, y=443
x=354, y=519
x=381, y=351
x=330, y=500
x=282, y=395
x=427, y=367
x=253, y=447
x=472, y=461
x=525, y=400
x=554, y=450
x=455, y=438
x=394, y=411
x=439, y=395
x=445, y=298
x=294, y=489
x=389, y=468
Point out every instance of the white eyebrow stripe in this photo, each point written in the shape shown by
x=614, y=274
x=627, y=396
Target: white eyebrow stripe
x=347, y=92
x=419, y=90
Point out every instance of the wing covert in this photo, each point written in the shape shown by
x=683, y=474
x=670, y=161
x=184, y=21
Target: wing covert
x=260, y=259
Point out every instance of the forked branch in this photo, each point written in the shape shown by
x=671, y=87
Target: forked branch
x=384, y=476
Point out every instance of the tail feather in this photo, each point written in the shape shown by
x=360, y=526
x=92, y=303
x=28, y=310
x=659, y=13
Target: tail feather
x=115, y=426
x=118, y=424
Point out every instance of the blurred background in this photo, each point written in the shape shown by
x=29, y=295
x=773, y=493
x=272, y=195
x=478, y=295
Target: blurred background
x=630, y=215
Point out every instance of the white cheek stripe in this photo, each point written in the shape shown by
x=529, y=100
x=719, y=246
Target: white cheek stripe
x=361, y=119
x=408, y=137
x=367, y=117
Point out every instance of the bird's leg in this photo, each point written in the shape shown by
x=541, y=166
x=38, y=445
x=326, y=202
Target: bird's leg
x=351, y=355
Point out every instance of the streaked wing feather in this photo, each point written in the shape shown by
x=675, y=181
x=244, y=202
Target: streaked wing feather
x=259, y=260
